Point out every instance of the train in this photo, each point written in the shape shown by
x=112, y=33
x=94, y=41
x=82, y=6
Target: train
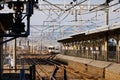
x=53, y=50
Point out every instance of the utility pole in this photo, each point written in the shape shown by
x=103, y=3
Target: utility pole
x=75, y=22
x=1, y=58
x=14, y=54
x=28, y=46
x=107, y=35
x=106, y=17
x=64, y=3
x=75, y=13
x=62, y=32
x=41, y=41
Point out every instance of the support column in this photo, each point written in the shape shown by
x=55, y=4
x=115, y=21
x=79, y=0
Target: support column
x=80, y=50
x=94, y=50
x=91, y=50
x=106, y=17
x=87, y=49
x=1, y=58
x=14, y=54
x=62, y=48
x=117, y=52
x=106, y=49
x=97, y=56
x=106, y=37
x=102, y=50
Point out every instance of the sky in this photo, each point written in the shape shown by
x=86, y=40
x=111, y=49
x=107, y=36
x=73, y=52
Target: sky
x=43, y=16
x=84, y=21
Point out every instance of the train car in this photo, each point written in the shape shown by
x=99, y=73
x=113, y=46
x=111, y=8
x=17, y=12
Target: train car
x=52, y=49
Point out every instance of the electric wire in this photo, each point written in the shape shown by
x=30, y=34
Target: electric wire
x=100, y=9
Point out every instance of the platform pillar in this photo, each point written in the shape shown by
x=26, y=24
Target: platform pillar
x=32, y=72
x=1, y=58
x=105, y=49
x=102, y=50
x=117, y=52
x=14, y=54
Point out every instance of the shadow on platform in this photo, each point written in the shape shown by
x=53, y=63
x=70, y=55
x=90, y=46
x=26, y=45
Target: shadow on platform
x=15, y=76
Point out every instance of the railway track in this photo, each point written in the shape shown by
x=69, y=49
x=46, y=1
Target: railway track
x=49, y=69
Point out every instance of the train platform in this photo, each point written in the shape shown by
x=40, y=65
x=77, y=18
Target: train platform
x=102, y=69
x=18, y=73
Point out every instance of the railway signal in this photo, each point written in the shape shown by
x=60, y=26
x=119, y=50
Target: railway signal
x=108, y=1
x=17, y=27
x=18, y=6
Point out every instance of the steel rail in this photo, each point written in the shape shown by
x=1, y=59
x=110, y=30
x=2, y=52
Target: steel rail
x=80, y=75
x=40, y=67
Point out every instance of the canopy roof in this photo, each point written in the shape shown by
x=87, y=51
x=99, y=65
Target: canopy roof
x=96, y=33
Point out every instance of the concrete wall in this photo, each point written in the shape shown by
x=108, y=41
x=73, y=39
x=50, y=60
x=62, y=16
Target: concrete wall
x=113, y=72
x=101, y=69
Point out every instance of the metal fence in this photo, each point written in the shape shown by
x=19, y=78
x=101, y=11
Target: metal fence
x=96, y=55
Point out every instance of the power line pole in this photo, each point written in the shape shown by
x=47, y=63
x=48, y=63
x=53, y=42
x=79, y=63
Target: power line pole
x=14, y=54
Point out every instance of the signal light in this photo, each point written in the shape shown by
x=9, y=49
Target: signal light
x=18, y=6
x=1, y=6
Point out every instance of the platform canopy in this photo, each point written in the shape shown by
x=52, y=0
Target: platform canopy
x=96, y=33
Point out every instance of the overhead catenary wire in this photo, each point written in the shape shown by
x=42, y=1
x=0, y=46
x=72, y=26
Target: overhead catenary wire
x=116, y=9
x=58, y=21
x=100, y=9
x=65, y=17
x=81, y=14
x=75, y=5
x=53, y=5
x=57, y=17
